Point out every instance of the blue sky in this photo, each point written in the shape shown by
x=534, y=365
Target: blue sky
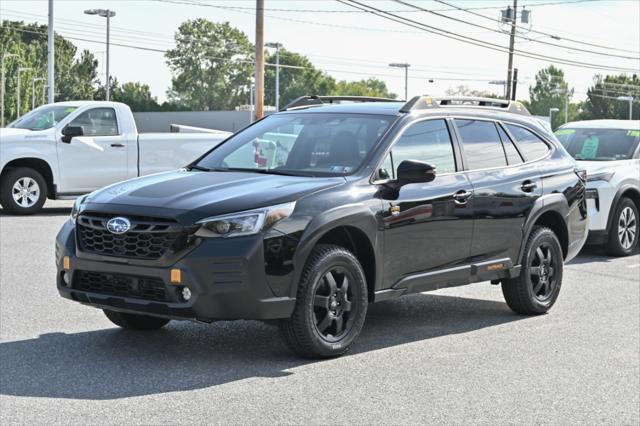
x=352, y=45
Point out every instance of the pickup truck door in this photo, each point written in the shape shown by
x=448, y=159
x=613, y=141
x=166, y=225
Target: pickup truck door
x=98, y=158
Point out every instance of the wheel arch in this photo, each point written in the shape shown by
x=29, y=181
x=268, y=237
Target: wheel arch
x=352, y=227
x=626, y=191
x=550, y=211
x=37, y=164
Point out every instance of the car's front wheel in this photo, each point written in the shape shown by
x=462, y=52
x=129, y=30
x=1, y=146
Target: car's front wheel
x=537, y=287
x=331, y=304
x=135, y=322
x=623, y=235
x=23, y=191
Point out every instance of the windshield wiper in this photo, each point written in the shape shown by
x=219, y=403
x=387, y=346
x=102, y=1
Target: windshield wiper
x=268, y=171
x=196, y=167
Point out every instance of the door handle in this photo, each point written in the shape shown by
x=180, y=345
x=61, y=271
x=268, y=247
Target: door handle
x=117, y=145
x=462, y=196
x=528, y=186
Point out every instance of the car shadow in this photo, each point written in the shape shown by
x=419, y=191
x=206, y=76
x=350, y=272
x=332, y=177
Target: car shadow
x=114, y=363
x=595, y=254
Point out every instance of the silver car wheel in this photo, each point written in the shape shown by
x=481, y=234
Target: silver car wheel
x=627, y=228
x=25, y=192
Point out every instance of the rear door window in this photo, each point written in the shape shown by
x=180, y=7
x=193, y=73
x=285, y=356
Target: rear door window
x=529, y=144
x=513, y=156
x=481, y=143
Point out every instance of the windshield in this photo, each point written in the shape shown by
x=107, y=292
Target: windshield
x=43, y=118
x=310, y=144
x=599, y=144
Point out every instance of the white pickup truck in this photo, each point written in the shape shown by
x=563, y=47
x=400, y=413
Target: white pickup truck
x=65, y=149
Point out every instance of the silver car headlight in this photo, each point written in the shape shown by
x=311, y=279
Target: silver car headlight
x=243, y=223
x=75, y=210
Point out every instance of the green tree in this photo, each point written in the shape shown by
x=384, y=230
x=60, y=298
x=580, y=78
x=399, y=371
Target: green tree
x=211, y=65
x=602, y=99
x=298, y=77
x=75, y=74
x=549, y=92
x=369, y=87
x=137, y=95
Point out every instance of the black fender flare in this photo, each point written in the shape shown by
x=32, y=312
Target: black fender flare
x=616, y=199
x=357, y=216
x=555, y=202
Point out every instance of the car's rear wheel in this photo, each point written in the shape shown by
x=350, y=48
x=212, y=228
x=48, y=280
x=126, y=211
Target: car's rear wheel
x=23, y=191
x=331, y=304
x=135, y=322
x=623, y=235
x=537, y=287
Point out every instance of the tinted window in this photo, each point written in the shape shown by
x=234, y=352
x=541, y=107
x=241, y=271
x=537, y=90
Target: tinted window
x=513, y=157
x=531, y=146
x=427, y=141
x=97, y=122
x=305, y=144
x=482, y=146
x=599, y=144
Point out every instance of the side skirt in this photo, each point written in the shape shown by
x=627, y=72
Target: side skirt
x=451, y=277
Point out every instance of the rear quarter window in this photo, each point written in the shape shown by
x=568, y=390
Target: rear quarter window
x=529, y=144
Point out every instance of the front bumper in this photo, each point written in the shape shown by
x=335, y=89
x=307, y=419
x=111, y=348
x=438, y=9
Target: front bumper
x=226, y=278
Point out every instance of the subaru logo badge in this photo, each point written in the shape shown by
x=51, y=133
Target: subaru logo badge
x=119, y=225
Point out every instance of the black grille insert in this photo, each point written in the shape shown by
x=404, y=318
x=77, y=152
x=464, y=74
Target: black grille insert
x=148, y=238
x=120, y=285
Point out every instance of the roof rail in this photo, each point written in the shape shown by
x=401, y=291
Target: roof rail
x=427, y=102
x=313, y=100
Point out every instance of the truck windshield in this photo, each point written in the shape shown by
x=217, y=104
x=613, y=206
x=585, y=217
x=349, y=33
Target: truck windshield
x=305, y=144
x=43, y=118
x=599, y=144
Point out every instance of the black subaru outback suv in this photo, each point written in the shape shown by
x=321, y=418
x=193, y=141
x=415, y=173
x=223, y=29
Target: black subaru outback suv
x=312, y=213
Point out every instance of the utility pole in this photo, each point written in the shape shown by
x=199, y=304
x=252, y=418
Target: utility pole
x=566, y=106
x=50, y=54
x=514, y=84
x=259, y=59
x=20, y=70
x=551, y=111
x=512, y=38
x=406, y=76
x=4, y=56
x=277, y=46
x=33, y=91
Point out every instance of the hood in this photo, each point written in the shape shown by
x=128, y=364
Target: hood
x=593, y=167
x=7, y=132
x=192, y=195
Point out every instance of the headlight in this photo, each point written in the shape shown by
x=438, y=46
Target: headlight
x=75, y=210
x=243, y=223
x=605, y=176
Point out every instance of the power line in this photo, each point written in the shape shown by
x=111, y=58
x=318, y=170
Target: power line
x=470, y=10
x=481, y=43
x=517, y=35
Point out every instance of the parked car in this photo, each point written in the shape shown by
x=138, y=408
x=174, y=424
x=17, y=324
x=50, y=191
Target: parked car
x=364, y=202
x=609, y=151
x=66, y=149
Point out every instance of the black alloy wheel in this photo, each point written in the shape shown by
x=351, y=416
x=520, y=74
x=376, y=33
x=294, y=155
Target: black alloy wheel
x=542, y=272
x=333, y=311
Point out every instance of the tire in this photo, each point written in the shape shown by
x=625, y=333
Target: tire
x=623, y=235
x=23, y=191
x=135, y=322
x=331, y=304
x=537, y=288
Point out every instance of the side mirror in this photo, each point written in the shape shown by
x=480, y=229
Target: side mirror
x=413, y=171
x=71, y=132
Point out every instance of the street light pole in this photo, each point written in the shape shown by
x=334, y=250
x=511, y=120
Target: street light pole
x=33, y=91
x=44, y=92
x=20, y=70
x=630, y=100
x=406, y=76
x=51, y=46
x=105, y=13
x=277, y=46
x=551, y=111
x=4, y=56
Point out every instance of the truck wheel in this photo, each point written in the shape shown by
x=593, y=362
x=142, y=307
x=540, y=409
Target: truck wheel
x=22, y=191
x=536, y=289
x=331, y=304
x=623, y=235
x=135, y=322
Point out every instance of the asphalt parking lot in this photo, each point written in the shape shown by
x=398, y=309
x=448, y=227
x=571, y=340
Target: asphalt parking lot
x=456, y=356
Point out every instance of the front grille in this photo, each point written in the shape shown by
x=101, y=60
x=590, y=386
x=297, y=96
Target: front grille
x=120, y=285
x=148, y=238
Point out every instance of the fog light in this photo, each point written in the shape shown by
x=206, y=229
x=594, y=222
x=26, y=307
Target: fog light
x=186, y=294
x=65, y=278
